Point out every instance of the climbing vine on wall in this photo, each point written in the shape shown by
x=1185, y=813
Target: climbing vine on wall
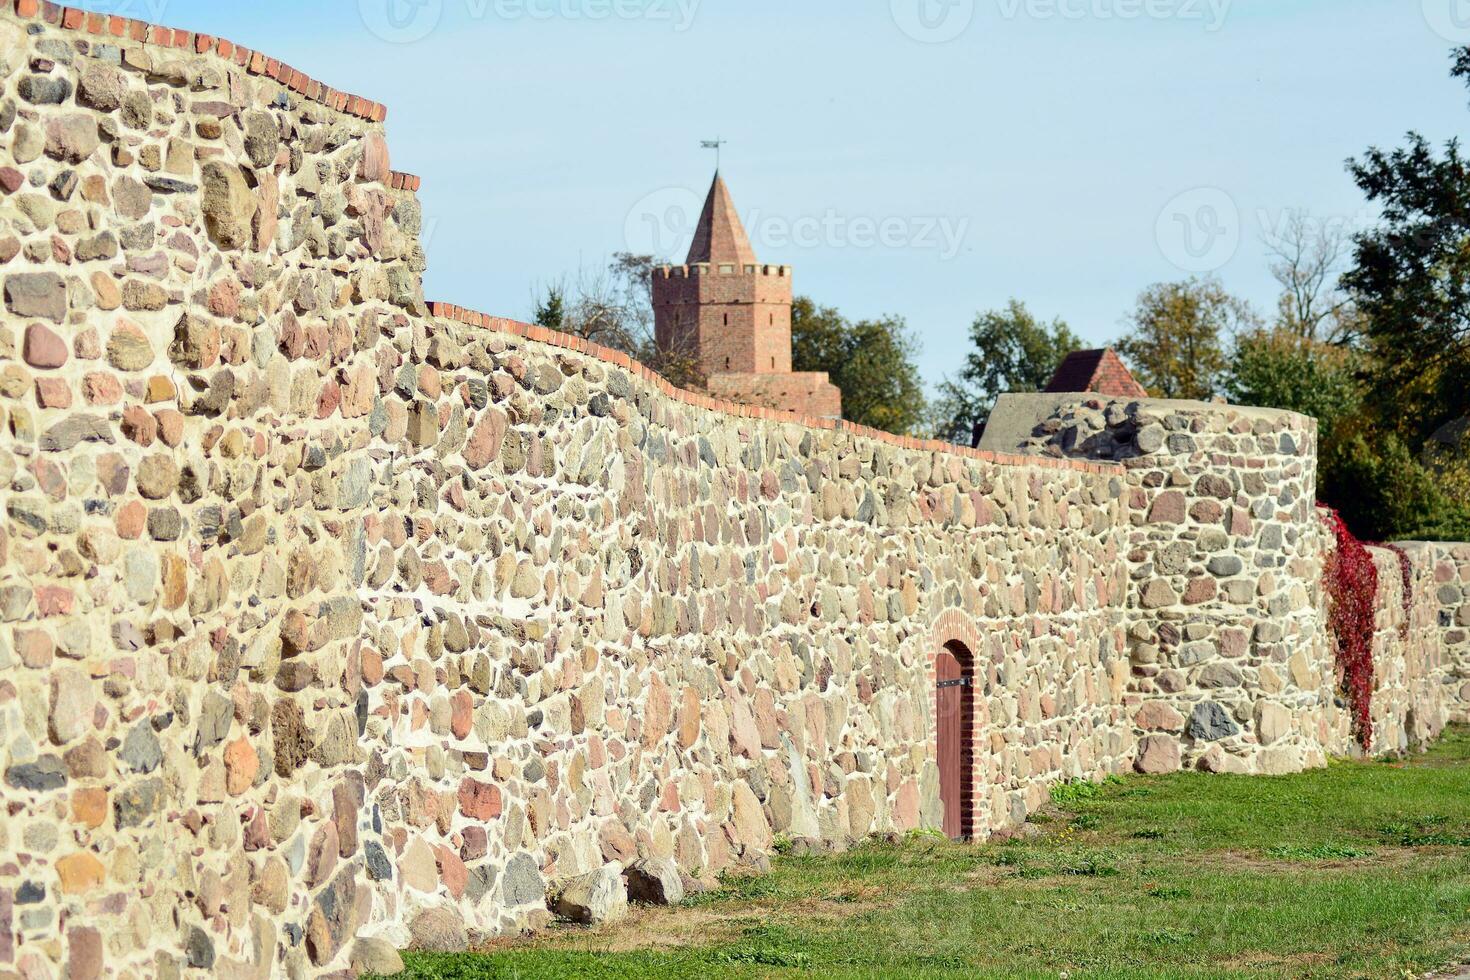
x=1352, y=587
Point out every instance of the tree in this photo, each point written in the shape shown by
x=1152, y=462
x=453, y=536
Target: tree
x=551, y=308
x=871, y=361
x=1012, y=351
x=614, y=308
x=1412, y=279
x=1177, y=345
x=1385, y=493
x=1281, y=369
x=1307, y=258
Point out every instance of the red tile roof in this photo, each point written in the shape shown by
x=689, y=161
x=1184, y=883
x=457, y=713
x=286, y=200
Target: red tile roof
x=1100, y=371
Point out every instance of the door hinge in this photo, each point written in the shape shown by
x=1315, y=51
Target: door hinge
x=958, y=682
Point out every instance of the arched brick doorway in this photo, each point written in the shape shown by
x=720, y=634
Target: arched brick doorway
x=954, y=733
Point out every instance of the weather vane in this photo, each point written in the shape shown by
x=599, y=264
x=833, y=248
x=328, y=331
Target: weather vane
x=715, y=145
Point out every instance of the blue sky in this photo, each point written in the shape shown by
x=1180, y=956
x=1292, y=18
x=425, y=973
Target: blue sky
x=929, y=158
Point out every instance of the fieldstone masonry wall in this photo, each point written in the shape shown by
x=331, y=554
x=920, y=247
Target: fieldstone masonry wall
x=332, y=625
x=331, y=622
x=1447, y=586
x=1234, y=664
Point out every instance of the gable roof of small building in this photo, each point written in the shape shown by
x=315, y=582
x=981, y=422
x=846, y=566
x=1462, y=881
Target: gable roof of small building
x=1101, y=371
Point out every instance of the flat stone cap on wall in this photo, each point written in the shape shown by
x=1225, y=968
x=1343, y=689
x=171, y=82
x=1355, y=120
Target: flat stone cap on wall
x=1015, y=417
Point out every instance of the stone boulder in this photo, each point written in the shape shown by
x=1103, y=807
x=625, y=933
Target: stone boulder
x=655, y=881
x=229, y=206
x=1157, y=755
x=439, y=930
x=594, y=898
x=376, y=957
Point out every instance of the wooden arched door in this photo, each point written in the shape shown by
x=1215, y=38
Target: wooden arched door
x=953, y=721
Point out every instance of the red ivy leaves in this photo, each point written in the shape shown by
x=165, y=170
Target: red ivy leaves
x=1352, y=585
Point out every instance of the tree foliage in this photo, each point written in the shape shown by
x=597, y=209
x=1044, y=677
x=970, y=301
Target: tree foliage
x=1011, y=351
x=1280, y=369
x=614, y=307
x=1177, y=345
x=1412, y=280
x=871, y=361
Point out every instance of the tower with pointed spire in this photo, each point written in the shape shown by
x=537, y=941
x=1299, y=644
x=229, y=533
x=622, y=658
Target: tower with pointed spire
x=733, y=315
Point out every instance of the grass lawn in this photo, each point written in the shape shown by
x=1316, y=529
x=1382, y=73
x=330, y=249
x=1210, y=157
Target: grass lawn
x=1359, y=870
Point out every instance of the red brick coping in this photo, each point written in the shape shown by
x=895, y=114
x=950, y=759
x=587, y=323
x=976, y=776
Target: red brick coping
x=448, y=311
x=254, y=62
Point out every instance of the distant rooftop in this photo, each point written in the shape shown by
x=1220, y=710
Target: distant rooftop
x=1101, y=371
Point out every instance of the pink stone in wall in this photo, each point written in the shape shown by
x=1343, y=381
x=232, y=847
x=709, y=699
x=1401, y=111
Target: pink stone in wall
x=479, y=801
x=54, y=600
x=42, y=348
x=53, y=393
x=1168, y=508
x=375, y=162
x=241, y=765
x=906, y=808
x=1158, y=754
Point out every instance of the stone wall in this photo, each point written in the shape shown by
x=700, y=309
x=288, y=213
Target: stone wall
x=1234, y=665
x=1446, y=581
x=737, y=617
x=329, y=623
x=1411, y=701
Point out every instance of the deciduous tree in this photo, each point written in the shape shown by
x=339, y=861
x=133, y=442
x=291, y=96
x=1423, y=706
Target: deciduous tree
x=1011, y=351
x=871, y=361
x=1177, y=345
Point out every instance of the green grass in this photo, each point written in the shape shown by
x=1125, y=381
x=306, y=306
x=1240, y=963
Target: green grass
x=1359, y=870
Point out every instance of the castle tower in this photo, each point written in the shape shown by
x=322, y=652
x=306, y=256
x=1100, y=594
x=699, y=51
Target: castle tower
x=734, y=316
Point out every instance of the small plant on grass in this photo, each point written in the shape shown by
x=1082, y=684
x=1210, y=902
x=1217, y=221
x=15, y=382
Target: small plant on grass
x=1090, y=866
x=782, y=844
x=1424, y=832
x=766, y=945
x=1331, y=851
